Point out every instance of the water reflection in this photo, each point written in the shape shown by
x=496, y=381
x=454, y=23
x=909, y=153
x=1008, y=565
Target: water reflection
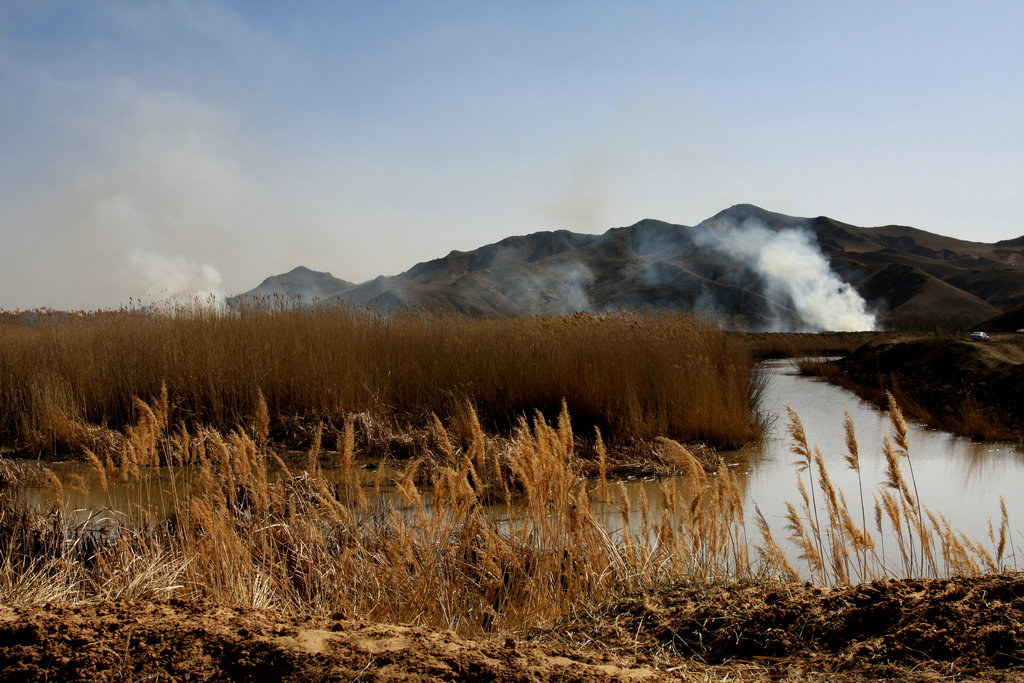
x=956, y=477
x=153, y=493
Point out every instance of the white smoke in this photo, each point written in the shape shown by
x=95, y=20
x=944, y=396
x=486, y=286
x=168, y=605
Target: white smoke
x=171, y=280
x=793, y=269
x=572, y=280
x=149, y=192
x=555, y=288
x=160, y=275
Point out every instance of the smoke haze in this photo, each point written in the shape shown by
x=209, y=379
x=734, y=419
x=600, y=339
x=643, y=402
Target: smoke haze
x=793, y=269
x=147, y=200
x=177, y=279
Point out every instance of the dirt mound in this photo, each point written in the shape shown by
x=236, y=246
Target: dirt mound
x=1011, y=321
x=962, y=629
x=968, y=387
x=185, y=641
x=909, y=629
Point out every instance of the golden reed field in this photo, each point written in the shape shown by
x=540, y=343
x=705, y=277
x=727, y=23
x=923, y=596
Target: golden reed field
x=632, y=376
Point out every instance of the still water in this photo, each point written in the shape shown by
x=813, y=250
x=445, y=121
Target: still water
x=958, y=478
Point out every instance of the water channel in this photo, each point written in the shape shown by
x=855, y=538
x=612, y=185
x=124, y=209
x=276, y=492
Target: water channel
x=956, y=477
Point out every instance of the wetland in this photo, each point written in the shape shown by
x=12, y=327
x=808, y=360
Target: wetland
x=341, y=495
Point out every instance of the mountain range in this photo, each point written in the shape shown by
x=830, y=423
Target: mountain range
x=753, y=268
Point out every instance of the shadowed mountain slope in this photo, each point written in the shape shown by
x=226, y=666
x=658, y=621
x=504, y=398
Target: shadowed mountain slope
x=742, y=264
x=1010, y=321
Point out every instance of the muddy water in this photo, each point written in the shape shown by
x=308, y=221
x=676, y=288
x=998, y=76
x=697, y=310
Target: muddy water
x=958, y=478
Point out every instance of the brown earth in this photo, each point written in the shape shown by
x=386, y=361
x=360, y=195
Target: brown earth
x=948, y=629
x=968, y=387
x=917, y=630
x=186, y=641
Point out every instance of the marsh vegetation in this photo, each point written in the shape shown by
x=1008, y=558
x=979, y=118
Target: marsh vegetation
x=425, y=493
x=635, y=377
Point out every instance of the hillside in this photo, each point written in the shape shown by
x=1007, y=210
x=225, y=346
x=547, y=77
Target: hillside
x=301, y=282
x=757, y=269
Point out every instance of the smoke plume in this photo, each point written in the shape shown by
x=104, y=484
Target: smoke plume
x=793, y=269
x=177, y=279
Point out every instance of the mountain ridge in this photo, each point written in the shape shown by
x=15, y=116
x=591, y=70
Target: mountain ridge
x=909, y=277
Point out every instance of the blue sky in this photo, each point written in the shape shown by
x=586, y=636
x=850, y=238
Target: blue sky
x=153, y=148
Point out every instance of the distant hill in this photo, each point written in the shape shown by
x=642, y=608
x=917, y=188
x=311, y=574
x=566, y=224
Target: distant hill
x=754, y=268
x=1011, y=321
x=301, y=282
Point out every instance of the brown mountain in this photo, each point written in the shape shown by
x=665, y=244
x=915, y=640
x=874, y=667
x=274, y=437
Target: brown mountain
x=301, y=282
x=755, y=268
x=922, y=279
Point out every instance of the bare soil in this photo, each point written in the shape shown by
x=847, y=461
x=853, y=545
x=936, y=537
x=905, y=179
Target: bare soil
x=915, y=630
x=193, y=642
x=918, y=630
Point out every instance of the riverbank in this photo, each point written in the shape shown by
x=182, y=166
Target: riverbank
x=970, y=388
x=908, y=630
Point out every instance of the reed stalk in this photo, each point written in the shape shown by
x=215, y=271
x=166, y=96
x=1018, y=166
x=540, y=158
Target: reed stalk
x=245, y=528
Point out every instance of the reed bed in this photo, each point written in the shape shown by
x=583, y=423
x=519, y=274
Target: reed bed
x=636, y=377
x=250, y=529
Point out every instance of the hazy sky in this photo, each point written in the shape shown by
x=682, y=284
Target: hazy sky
x=165, y=147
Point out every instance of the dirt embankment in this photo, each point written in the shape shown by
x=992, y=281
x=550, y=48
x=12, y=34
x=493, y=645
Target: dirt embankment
x=967, y=387
x=956, y=629
x=943, y=629
x=189, y=642
x=764, y=345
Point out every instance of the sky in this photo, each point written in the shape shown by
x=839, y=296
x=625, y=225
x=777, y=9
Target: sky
x=152, y=149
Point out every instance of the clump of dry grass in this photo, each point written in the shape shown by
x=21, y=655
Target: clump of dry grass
x=247, y=528
x=839, y=551
x=636, y=377
x=765, y=345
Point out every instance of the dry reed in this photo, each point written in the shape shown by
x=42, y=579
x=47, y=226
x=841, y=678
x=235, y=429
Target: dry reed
x=245, y=529
x=65, y=376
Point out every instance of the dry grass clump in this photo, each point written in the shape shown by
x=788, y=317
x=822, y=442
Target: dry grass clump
x=635, y=377
x=249, y=529
x=839, y=548
x=822, y=368
x=490, y=544
x=764, y=345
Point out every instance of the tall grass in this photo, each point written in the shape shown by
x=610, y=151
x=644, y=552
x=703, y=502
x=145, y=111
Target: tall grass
x=838, y=550
x=634, y=377
x=250, y=529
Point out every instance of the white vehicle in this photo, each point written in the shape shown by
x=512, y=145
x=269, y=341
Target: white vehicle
x=979, y=336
